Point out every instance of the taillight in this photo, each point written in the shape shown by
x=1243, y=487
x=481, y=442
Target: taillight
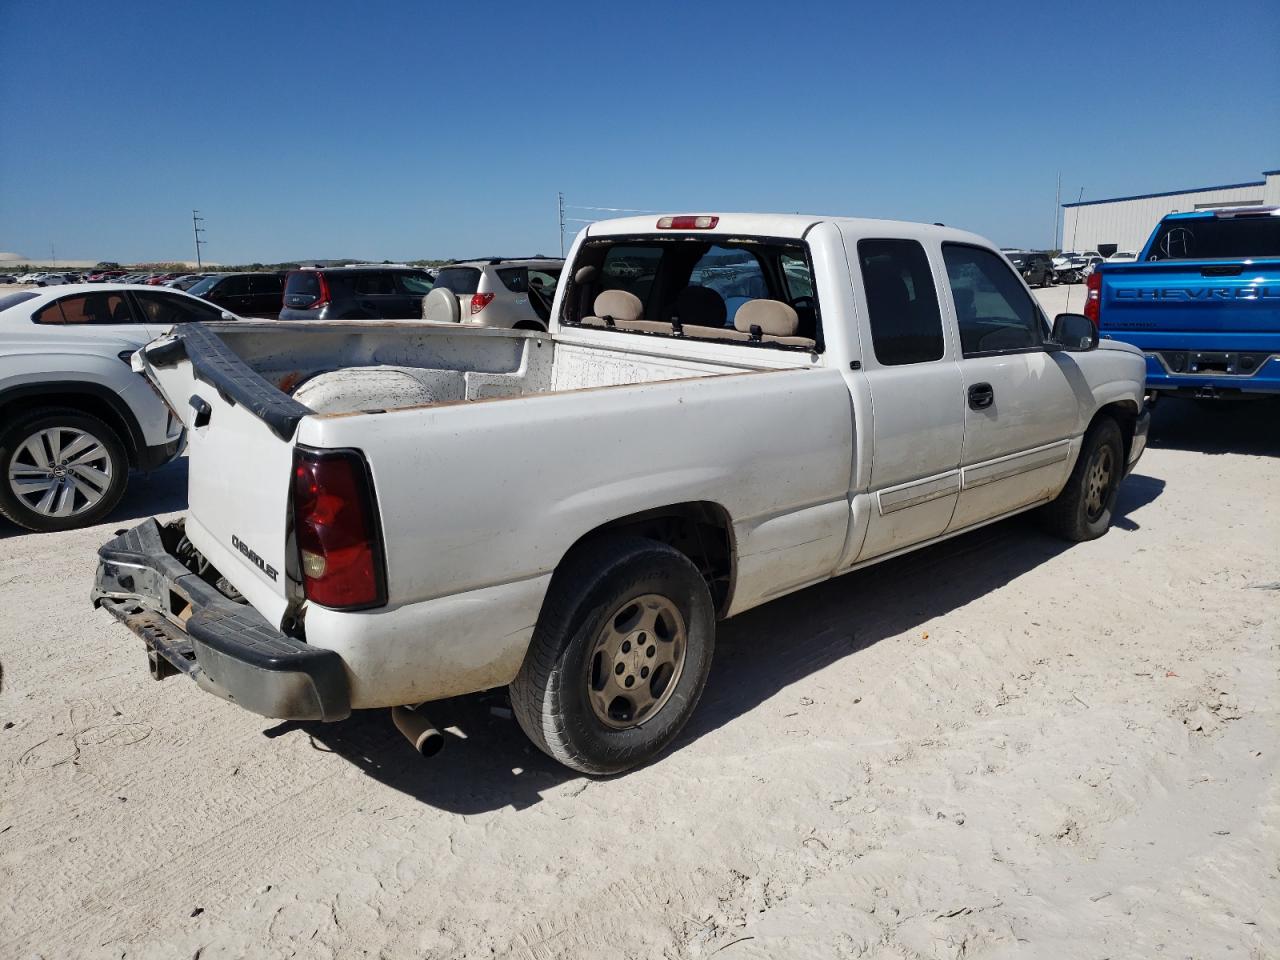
x=479, y=301
x=1093, y=297
x=323, y=299
x=336, y=526
x=688, y=223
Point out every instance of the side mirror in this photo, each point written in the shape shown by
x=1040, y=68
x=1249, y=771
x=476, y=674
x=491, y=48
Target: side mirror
x=227, y=315
x=1074, y=333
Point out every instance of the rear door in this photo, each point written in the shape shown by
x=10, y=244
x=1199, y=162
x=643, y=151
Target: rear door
x=240, y=460
x=916, y=395
x=1021, y=405
x=231, y=293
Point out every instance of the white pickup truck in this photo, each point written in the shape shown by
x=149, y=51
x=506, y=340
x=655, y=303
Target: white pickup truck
x=724, y=410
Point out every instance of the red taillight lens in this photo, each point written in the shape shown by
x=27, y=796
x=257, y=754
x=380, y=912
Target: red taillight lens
x=337, y=530
x=322, y=300
x=479, y=301
x=688, y=223
x=1093, y=296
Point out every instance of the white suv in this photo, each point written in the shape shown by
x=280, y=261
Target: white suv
x=74, y=417
x=513, y=294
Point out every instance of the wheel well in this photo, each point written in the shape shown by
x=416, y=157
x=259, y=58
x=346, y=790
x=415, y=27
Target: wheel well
x=1125, y=414
x=530, y=325
x=700, y=530
x=87, y=402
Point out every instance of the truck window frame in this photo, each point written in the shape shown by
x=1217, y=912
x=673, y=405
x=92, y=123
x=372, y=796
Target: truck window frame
x=1041, y=329
x=571, y=304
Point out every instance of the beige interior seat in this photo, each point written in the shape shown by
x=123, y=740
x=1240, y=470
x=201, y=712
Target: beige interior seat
x=613, y=308
x=770, y=321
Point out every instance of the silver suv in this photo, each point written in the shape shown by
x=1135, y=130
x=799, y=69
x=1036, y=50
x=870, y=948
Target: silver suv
x=515, y=294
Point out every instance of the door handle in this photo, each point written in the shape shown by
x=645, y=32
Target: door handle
x=981, y=396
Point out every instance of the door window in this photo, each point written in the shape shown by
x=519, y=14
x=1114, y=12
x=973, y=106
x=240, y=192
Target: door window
x=266, y=284
x=164, y=309
x=902, y=303
x=414, y=284
x=232, y=287
x=90, y=308
x=372, y=283
x=994, y=311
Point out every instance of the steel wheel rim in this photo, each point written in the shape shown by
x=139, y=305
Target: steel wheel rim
x=1098, y=482
x=60, y=472
x=636, y=661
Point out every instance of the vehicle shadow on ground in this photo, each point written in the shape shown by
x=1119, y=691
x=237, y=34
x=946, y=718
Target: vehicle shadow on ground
x=488, y=764
x=161, y=491
x=1250, y=427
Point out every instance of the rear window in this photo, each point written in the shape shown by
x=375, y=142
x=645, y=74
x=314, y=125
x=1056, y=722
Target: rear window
x=1234, y=238
x=302, y=283
x=515, y=279
x=13, y=299
x=464, y=280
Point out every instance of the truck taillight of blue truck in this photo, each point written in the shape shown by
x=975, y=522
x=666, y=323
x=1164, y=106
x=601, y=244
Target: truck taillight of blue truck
x=1202, y=302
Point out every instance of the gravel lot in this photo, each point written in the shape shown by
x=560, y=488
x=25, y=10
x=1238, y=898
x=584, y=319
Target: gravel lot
x=1002, y=746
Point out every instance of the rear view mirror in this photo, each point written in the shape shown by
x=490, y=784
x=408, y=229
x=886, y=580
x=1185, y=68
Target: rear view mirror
x=1074, y=332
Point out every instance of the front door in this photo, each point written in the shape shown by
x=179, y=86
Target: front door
x=916, y=397
x=1021, y=409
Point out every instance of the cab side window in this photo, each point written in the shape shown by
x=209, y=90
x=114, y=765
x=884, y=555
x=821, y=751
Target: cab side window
x=994, y=311
x=105, y=307
x=902, y=303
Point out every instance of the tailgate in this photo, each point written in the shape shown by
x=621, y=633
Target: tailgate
x=240, y=459
x=1211, y=297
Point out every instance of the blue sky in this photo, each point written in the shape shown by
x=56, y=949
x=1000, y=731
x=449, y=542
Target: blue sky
x=426, y=129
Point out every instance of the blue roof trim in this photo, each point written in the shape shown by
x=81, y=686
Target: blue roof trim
x=1270, y=173
x=1170, y=193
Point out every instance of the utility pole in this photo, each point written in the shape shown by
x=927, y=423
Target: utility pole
x=196, y=229
x=560, y=198
x=1057, y=210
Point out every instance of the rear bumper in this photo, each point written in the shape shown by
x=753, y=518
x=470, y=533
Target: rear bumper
x=1139, y=444
x=226, y=647
x=1262, y=378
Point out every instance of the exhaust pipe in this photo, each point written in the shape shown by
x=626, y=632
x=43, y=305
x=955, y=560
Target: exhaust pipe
x=418, y=730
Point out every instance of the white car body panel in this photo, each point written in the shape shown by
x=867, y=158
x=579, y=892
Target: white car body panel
x=820, y=461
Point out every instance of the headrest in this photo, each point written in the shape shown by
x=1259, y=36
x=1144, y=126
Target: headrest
x=619, y=305
x=700, y=306
x=773, y=317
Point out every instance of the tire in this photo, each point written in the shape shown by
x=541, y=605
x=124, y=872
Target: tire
x=567, y=676
x=1082, y=511
x=27, y=442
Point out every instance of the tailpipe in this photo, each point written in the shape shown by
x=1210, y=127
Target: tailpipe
x=418, y=730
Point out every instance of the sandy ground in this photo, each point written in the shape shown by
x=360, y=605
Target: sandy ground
x=1003, y=746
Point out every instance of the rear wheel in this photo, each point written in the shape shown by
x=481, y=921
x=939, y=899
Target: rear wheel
x=60, y=469
x=619, y=657
x=1082, y=511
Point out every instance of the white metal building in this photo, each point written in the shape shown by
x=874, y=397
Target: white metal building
x=1124, y=223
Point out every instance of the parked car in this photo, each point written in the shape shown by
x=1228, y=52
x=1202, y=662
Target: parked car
x=355, y=293
x=1036, y=268
x=370, y=522
x=105, y=276
x=184, y=281
x=511, y=293
x=74, y=417
x=50, y=280
x=244, y=294
x=7, y=278
x=1122, y=256
x=1073, y=268
x=1202, y=302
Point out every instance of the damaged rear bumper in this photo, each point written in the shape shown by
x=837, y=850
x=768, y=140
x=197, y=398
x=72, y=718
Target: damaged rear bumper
x=226, y=647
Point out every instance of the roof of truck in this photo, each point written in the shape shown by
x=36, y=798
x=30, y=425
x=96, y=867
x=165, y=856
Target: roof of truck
x=784, y=225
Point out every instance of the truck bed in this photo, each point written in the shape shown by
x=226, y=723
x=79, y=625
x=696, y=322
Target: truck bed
x=288, y=371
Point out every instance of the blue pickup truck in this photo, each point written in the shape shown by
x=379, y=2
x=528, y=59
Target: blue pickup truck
x=1202, y=301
